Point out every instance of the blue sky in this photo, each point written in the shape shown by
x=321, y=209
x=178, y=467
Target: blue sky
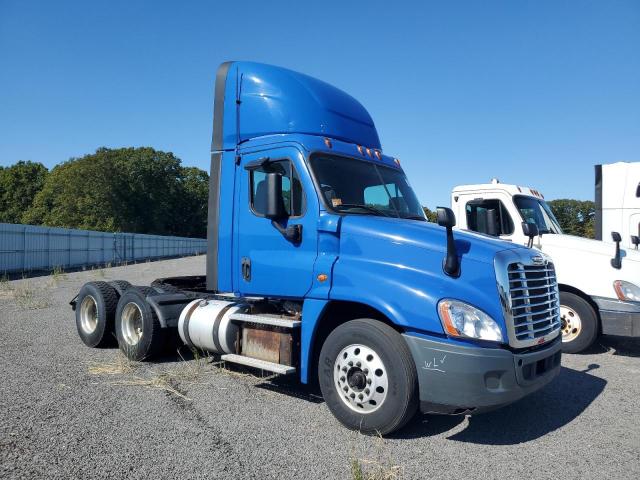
x=533, y=93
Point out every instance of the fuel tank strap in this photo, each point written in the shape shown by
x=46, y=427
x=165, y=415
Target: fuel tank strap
x=185, y=325
x=216, y=326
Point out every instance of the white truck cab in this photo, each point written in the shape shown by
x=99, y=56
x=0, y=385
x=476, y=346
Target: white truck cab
x=598, y=280
x=618, y=202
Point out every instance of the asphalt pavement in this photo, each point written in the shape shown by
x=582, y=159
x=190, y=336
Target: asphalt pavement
x=68, y=411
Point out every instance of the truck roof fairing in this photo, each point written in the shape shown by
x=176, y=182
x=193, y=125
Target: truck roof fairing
x=254, y=100
x=505, y=187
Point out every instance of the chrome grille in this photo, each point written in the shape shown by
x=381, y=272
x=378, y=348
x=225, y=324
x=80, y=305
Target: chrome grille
x=534, y=302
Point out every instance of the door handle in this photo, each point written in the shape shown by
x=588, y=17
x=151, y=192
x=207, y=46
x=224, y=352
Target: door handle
x=246, y=269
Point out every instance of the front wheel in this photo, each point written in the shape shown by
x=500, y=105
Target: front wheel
x=367, y=377
x=579, y=323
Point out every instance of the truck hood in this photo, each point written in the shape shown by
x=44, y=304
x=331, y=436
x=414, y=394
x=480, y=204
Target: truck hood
x=556, y=243
x=425, y=235
x=396, y=267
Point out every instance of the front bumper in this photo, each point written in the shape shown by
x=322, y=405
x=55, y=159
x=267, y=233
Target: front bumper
x=618, y=317
x=457, y=379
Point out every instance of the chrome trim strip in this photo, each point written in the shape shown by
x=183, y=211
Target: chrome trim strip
x=532, y=314
x=539, y=304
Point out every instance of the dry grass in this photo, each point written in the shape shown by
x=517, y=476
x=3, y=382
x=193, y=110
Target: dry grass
x=364, y=469
x=5, y=286
x=136, y=374
x=99, y=273
x=120, y=366
x=57, y=276
x=162, y=381
x=379, y=468
x=24, y=294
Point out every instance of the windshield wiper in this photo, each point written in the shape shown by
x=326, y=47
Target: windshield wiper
x=366, y=207
x=414, y=217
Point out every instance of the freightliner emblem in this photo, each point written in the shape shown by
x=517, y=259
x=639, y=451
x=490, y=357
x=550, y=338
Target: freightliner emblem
x=538, y=260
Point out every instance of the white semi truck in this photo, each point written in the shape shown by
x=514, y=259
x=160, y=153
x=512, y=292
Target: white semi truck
x=618, y=202
x=599, y=281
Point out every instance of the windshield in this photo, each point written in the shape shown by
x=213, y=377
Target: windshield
x=537, y=211
x=365, y=188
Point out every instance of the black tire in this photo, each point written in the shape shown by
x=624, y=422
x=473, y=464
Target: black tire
x=139, y=333
x=95, y=313
x=121, y=286
x=577, y=337
x=401, y=400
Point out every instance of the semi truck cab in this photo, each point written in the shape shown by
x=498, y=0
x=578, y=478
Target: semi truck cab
x=617, y=198
x=321, y=265
x=598, y=280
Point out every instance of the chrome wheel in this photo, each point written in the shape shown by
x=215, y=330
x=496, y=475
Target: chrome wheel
x=89, y=314
x=131, y=323
x=360, y=378
x=570, y=323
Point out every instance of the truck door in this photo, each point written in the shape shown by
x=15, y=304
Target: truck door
x=267, y=263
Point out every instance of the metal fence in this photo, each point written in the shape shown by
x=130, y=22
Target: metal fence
x=30, y=248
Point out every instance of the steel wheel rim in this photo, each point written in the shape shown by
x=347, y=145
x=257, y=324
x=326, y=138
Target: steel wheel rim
x=89, y=314
x=360, y=378
x=131, y=323
x=570, y=323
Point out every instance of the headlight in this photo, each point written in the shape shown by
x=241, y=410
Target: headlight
x=627, y=291
x=460, y=319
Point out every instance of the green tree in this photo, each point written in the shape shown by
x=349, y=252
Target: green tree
x=194, y=184
x=576, y=217
x=431, y=215
x=139, y=190
x=19, y=184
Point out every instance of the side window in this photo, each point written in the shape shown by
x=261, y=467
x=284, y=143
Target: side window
x=292, y=194
x=481, y=212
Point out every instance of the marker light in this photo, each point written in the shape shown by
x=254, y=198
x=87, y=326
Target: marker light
x=397, y=161
x=378, y=154
x=327, y=142
x=627, y=291
x=361, y=150
x=460, y=319
x=368, y=151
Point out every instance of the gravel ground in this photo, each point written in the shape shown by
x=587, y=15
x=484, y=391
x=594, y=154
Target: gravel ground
x=67, y=411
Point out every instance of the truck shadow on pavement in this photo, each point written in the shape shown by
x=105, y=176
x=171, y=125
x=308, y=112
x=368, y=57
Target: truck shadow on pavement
x=553, y=407
x=619, y=346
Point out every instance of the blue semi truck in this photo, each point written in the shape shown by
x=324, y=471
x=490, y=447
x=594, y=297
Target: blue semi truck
x=321, y=264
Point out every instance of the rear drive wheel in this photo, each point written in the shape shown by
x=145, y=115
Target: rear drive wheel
x=367, y=377
x=95, y=313
x=120, y=285
x=579, y=323
x=140, y=335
